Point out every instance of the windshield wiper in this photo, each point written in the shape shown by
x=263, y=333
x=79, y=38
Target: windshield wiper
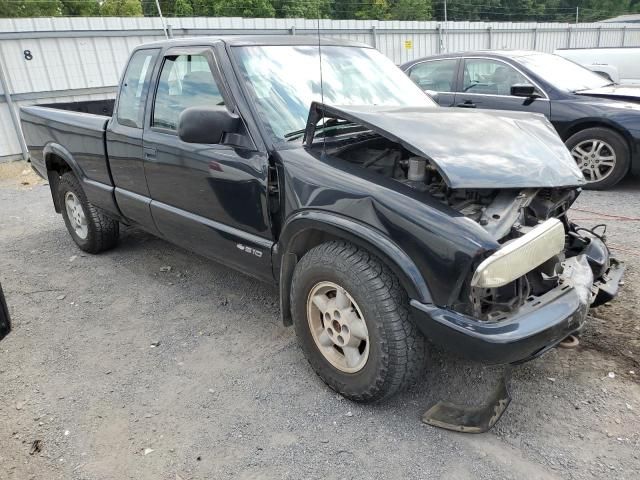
x=330, y=124
x=611, y=84
x=295, y=134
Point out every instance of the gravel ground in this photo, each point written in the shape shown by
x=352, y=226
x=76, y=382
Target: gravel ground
x=123, y=370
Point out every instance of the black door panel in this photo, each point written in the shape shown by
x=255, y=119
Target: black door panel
x=211, y=199
x=124, y=139
x=230, y=246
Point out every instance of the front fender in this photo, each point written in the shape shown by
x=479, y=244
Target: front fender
x=307, y=228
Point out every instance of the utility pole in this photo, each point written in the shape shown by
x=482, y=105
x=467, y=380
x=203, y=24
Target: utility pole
x=577, y=12
x=164, y=26
x=443, y=47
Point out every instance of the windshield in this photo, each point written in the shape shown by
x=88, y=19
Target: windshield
x=562, y=73
x=285, y=79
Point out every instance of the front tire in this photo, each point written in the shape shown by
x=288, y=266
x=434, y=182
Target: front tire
x=602, y=155
x=91, y=229
x=352, y=321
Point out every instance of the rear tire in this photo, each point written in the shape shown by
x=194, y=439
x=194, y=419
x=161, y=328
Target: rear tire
x=602, y=155
x=91, y=229
x=369, y=317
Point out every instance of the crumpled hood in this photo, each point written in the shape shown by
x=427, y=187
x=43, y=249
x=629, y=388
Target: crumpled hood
x=474, y=149
x=628, y=93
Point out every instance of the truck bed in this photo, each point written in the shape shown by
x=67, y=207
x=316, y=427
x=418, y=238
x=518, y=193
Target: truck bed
x=75, y=130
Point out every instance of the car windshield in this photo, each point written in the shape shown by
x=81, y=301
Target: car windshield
x=562, y=73
x=285, y=79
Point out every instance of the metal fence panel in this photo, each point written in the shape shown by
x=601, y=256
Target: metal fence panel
x=66, y=58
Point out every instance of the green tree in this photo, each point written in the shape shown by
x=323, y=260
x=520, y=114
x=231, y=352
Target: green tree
x=411, y=10
x=203, y=8
x=121, y=8
x=30, y=8
x=80, y=8
x=303, y=8
x=183, y=8
x=245, y=8
x=373, y=10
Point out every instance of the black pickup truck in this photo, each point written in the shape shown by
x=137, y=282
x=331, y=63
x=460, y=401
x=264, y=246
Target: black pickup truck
x=384, y=219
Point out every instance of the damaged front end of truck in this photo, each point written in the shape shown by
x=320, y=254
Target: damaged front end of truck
x=510, y=175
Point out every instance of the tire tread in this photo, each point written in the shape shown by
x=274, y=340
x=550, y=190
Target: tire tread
x=103, y=230
x=403, y=345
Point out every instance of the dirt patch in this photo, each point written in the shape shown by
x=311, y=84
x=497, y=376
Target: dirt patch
x=18, y=174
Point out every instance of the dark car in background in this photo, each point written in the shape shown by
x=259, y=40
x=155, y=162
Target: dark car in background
x=598, y=120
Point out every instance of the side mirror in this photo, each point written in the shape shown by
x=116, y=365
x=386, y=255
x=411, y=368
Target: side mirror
x=433, y=94
x=524, y=90
x=5, y=321
x=206, y=124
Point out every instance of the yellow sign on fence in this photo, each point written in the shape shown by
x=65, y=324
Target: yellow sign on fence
x=408, y=44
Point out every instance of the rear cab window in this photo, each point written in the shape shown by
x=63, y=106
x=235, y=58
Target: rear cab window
x=133, y=92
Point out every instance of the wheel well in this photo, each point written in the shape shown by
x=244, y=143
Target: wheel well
x=57, y=164
x=312, y=237
x=594, y=124
x=56, y=167
x=309, y=239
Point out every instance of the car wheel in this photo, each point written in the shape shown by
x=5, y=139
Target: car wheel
x=91, y=229
x=602, y=155
x=352, y=321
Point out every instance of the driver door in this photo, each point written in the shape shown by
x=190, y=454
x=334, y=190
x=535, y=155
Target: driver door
x=208, y=198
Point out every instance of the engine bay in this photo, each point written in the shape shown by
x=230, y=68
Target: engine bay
x=505, y=214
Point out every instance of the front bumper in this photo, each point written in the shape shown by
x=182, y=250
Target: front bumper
x=537, y=326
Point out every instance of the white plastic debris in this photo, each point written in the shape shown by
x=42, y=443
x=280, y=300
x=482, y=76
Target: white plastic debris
x=147, y=451
x=611, y=375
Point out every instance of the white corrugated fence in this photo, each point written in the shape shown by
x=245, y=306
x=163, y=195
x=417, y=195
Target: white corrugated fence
x=47, y=60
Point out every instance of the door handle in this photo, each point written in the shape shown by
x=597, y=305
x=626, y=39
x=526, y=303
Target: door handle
x=149, y=154
x=467, y=104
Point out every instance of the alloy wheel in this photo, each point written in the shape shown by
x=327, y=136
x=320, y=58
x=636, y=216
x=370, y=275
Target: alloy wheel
x=338, y=327
x=76, y=215
x=596, y=159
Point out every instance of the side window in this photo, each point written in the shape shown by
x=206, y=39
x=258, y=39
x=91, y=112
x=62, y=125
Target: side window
x=490, y=77
x=134, y=88
x=185, y=81
x=436, y=75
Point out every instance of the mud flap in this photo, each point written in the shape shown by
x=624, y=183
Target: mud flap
x=472, y=419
